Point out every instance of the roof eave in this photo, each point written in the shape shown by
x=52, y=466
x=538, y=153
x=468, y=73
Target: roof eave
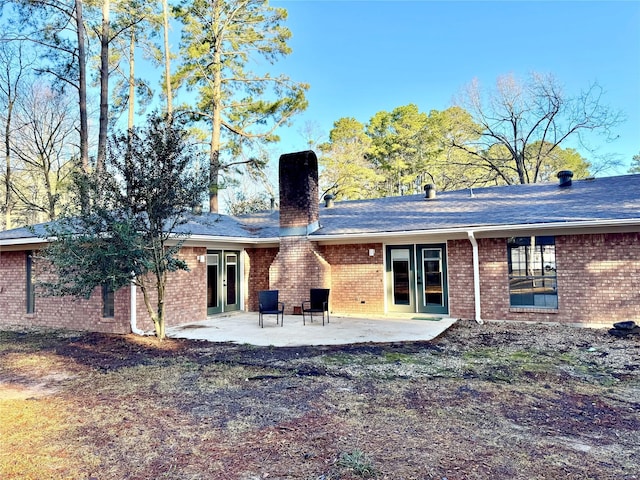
x=588, y=226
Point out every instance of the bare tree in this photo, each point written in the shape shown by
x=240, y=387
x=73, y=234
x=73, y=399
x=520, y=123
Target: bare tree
x=57, y=28
x=43, y=145
x=14, y=67
x=522, y=123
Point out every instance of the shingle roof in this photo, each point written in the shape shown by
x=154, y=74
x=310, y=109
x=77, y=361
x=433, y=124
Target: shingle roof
x=603, y=199
x=600, y=199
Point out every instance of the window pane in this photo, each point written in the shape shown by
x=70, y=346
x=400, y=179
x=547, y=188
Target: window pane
x=532, y=272
x=108, y=302
x=30, y=287
x=549, y=260
x=212, y=285
x=432, y=268
x=401, y=282
x=231, y=284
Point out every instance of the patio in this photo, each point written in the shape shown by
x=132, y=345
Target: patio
x=243, y=328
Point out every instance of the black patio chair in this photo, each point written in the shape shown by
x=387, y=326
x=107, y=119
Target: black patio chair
x=269, y=305
x=318, y=303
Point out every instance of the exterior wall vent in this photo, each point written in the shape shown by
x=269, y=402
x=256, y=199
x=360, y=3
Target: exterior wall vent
x=565, y=178
x=430, y=191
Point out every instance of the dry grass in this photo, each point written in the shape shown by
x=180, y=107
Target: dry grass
x=493, y=401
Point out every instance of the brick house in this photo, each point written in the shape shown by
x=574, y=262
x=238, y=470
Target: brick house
x=562, y=252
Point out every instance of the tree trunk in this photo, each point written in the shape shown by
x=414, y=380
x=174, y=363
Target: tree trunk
x=82, y=89
x=104, y=88
x=161, y=283
x=216, y=124
x=8, y=200
x=214, y=172
x=167, y=54
x=132, y=79
x=157, y=315
x=214, y=160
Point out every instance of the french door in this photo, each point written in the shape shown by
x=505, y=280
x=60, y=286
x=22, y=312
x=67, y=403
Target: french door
x=223, y=281
x=417, y=278
x=401, y=279
x=432, y=279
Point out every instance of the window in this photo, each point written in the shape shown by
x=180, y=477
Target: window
x=532, y=272
x=108, y=304
x=30, y=287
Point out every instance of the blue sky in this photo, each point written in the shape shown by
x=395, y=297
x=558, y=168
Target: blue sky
x=361, y=57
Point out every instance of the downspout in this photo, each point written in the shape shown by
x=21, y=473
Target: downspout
x=476, y=276
x=133, y=307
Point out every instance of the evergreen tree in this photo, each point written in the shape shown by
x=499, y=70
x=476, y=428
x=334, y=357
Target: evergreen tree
x=129, y=231
x=221, y=40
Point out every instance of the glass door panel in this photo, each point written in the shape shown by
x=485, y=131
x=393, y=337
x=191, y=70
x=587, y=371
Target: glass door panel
x=433, y=284
x=214, y=305
x=400, y=279
x=223, y=281
x=432, y=279
x=401, y=286
x=231, y=281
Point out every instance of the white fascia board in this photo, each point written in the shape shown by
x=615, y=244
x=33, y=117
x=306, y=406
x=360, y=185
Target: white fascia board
x=21, y=242
x=195, y=240
x=558, y=228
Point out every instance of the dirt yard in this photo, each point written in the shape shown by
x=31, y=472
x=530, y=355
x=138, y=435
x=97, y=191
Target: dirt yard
x=498, y=401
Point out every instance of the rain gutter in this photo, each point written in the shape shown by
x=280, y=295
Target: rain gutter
x=134, y=313
x=632, y=224
x=476, y=277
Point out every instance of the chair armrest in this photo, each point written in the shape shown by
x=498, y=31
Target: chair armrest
x=306, y=301
x=281, y=304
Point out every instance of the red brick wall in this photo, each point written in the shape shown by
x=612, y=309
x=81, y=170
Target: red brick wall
x=356, y=278
x=257, y=263
x=460, y=278
x=297, y=268
x=54, y=312
x=598, y=280
x=599, y=277
x=185, y=300
x=186, y=294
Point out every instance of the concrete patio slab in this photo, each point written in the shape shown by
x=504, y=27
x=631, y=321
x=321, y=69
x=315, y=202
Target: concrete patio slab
x=243, y=328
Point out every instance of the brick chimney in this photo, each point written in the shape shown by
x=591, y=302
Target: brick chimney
x=299, y=203
x=299, y=265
